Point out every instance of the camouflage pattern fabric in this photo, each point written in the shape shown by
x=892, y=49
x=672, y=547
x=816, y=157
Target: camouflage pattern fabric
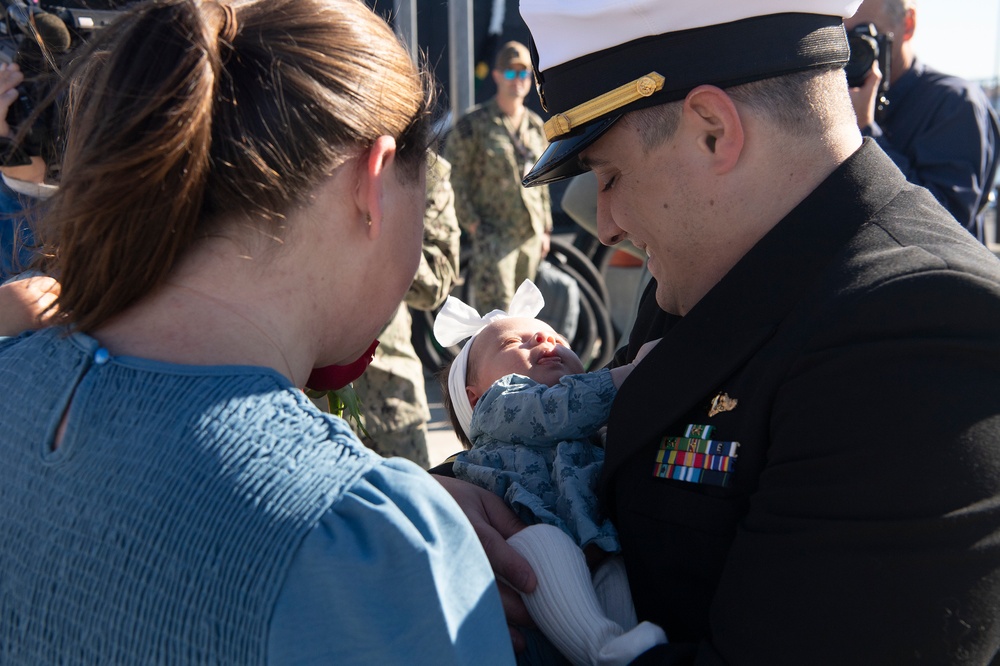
x=495, y=270
x=504, y=220
x=392, y=392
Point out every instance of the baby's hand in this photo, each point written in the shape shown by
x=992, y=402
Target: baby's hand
x=619, y=374
x=645, y=349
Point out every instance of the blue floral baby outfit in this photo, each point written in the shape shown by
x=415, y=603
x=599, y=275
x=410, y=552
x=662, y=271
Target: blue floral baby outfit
x=531, y=446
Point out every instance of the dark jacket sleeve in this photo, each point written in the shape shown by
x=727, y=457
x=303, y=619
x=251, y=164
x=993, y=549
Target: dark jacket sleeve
x=944, y=136
x=873, y=536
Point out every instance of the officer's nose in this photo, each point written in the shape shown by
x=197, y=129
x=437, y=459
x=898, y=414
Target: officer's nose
x=607, y=229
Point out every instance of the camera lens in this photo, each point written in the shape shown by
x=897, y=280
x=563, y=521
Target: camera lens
x=864, y=51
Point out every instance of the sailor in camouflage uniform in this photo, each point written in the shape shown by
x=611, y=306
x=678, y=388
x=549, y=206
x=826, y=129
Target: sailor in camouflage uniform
x=490, y=150
x=393, y=397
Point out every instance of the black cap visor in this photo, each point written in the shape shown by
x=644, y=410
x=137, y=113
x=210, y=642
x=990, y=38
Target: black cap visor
x=561, y=159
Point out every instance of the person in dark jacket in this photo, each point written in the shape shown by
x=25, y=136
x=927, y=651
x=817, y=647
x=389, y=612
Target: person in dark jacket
x=940, y=130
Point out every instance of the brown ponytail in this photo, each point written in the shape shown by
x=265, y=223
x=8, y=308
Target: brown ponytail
x=189, y=114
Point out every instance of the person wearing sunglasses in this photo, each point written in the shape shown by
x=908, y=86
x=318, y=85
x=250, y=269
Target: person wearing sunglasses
x=490, y=149
x=512, y=74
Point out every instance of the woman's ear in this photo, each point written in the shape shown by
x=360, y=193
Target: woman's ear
x=372, y=172
x=718, y=125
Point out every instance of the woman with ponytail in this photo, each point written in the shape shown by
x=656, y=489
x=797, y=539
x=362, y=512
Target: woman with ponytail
x=241, y=202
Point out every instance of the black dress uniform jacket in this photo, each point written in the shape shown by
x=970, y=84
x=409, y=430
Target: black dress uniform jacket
x=856, y=353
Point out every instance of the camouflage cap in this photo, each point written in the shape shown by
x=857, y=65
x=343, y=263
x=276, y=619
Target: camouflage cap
x=512, y=54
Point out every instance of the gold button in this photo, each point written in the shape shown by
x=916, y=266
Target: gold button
x=645, y=86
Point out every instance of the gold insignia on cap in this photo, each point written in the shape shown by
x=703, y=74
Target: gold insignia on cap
x=563, y=123
x=722, y=403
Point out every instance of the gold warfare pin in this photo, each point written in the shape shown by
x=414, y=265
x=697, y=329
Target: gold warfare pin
x=722, y=403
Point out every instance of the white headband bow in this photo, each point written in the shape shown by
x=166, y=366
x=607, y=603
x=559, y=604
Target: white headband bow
x=457, y=321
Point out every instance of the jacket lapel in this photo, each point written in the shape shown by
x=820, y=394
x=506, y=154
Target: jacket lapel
x=686, y=368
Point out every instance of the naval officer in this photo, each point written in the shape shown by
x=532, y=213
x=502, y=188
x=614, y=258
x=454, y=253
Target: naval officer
x=806, y=469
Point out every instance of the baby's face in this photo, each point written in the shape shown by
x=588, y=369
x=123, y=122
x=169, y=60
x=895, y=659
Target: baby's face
x=527, y=347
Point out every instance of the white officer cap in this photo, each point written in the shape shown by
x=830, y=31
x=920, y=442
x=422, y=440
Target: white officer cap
x=596, y=60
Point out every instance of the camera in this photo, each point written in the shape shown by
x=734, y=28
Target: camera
x=868, y=45
x=37, y=36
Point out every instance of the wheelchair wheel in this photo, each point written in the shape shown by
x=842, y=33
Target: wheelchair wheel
x=598, y=349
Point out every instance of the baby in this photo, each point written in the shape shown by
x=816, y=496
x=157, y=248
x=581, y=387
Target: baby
x=526, y=410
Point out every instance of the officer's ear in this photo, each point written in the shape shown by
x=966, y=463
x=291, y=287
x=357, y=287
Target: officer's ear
x=717, y=126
